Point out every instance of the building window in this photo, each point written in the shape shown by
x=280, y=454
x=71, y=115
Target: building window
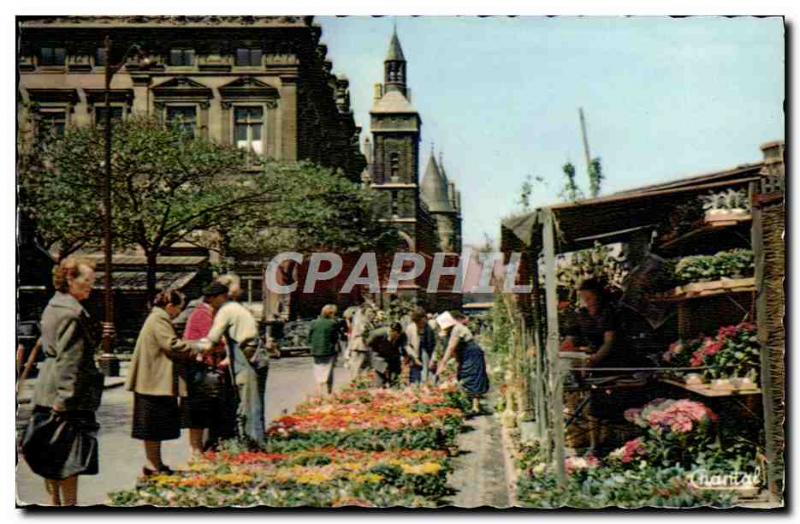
x=100, y=57
x=248, y=125
x=117, y=114
x=52, y=56
x=51, y=123
x=253, y=289
x=248, y=57
x=394, y=167
x=395, y=205
x=184, y=117
x=181, y=57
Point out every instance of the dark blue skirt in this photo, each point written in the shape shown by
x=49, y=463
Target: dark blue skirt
x=472, y=369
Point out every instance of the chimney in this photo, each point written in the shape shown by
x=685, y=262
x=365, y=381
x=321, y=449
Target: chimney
x=408, y=94
x=773, y=158
x=378, y=92
x=458, y=201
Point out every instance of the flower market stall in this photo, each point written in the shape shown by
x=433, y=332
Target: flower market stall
x=694, y=271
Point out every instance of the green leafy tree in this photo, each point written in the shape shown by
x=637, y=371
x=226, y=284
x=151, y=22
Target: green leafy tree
x=596, y=177
x=526, y=191
x=63, y=208
x=304, y=207
x=165, y=185
x=571, y=192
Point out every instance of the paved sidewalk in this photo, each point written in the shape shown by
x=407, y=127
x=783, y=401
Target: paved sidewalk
x=479, y=474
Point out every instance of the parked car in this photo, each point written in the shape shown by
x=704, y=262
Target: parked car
x=295, y=337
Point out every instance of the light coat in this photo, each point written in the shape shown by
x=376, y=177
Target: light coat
x=153, y=371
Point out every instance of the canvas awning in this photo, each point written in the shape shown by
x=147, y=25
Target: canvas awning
x=137, y=280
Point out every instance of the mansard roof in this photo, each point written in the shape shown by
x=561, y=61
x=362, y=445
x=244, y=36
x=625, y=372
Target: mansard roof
x=393, y=102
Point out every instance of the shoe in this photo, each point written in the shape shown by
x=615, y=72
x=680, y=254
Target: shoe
x=163, y=469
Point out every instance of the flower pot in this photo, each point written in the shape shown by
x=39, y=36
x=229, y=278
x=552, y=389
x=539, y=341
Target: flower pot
x=725, y=215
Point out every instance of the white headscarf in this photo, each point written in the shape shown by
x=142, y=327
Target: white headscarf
x=446, y=320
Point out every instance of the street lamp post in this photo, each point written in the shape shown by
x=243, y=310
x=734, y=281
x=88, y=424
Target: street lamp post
x=109, y=362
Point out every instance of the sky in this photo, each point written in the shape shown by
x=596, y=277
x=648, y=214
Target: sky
x=664, y=98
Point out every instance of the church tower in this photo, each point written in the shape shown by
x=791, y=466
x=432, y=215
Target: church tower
x=395, y=126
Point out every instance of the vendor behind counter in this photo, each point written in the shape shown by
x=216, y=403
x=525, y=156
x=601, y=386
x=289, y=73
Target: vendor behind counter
x=596, y=328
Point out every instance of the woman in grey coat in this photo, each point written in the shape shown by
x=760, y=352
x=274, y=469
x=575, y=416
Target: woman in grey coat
x=69, y=384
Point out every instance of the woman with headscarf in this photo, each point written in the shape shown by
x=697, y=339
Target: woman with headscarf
x=471, y=364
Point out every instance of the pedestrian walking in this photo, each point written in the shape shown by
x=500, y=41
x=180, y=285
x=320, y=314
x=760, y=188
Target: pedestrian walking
x=471, y=364
x=60, y=442
x=205, y=378
x=156, y=381
x=323, y=337
x=245, y=355
x=361, y=325
x=421, y=342
x=386, y=346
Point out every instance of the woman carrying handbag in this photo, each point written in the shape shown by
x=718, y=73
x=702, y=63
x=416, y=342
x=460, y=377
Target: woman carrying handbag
x=60, y=442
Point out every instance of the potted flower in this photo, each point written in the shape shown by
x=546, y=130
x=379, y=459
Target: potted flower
x=727, y=205
x=733, y=353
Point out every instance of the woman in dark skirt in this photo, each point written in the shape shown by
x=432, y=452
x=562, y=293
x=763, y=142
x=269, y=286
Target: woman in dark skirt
x=60, y=441
x=469, y=357
x=155, y=380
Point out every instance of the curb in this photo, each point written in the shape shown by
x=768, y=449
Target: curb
x=511, y=468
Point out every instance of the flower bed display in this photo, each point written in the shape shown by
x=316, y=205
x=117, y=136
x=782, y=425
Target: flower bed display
x=360, y=447
x=315, y=477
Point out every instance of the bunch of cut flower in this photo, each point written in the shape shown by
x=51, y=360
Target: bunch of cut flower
x=314, y=477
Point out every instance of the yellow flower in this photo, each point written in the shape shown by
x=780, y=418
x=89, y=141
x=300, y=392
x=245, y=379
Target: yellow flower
x=313, y=478
x=368, y=478
x=427, y=468
x=352, y=466
x=234, y=478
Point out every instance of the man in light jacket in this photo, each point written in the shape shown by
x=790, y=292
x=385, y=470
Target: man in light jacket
x=240, y=329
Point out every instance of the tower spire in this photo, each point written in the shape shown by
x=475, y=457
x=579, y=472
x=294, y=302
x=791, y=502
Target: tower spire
x=394, y=67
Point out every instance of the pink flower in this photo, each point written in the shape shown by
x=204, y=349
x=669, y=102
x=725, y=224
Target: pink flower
x=633, y=414
x=711, y=348
x=632, y=449
x=573, y=464
x=747, y=326
x=727, y=332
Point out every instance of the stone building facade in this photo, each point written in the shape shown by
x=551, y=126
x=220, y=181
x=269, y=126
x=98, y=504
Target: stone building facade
x=427, y=214
x=262, y=83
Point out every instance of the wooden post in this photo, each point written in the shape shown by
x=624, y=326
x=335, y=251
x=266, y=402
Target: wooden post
x=555, y=375
x=537, y=390
x=772, y=384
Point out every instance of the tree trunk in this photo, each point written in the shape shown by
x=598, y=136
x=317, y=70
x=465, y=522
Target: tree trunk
x=151, y=275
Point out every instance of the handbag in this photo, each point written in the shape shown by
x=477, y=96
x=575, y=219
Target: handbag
x=57, y=446
x=205, y=383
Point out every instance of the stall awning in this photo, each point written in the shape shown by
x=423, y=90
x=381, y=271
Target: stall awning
x=137, y=280
x=615, y=217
